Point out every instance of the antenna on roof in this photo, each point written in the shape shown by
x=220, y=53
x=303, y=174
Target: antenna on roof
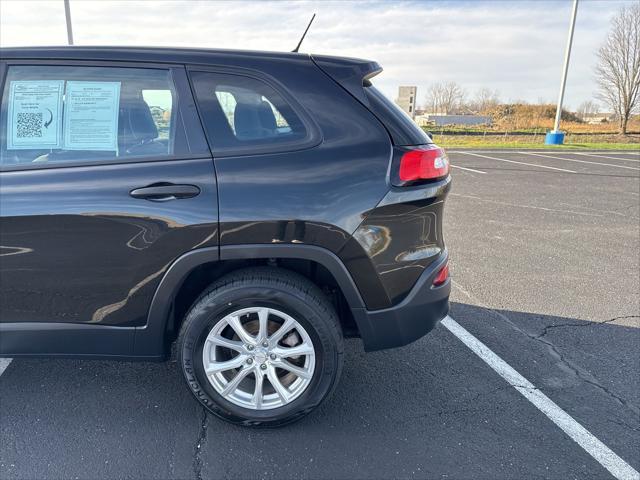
x=295, y=50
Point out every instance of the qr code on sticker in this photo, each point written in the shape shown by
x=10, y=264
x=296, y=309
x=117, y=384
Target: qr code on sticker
x=29, y=125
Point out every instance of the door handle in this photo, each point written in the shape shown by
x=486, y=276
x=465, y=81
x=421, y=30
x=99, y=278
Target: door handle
x=165, y=192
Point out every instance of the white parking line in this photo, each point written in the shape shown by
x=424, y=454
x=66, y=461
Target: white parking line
x=520, y=163
x=594, y=447
x=580, y=161
x=605, y=156
x=4, y=363
x=469, y=169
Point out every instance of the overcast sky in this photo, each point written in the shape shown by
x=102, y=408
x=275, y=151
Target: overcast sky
x=515, y=47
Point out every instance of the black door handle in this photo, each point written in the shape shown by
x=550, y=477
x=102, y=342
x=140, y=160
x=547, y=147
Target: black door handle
x=165, y=192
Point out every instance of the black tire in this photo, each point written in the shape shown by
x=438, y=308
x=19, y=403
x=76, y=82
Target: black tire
x=263, y=286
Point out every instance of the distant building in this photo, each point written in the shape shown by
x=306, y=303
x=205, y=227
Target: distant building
x=442, y=120
x=407, y=100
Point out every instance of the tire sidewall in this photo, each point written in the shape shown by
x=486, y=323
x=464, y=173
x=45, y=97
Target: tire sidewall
x=213, y=307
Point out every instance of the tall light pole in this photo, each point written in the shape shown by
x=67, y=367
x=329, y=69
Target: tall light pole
x=556, y=137
x=67, y=14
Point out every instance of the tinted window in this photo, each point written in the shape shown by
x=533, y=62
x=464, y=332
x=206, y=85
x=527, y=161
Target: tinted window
x=77, y=114
x=403, y=130
x=242, y=113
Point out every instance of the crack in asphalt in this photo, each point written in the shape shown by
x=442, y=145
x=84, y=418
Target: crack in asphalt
x=583, y=324
x=577, y=371
x=202, y=438
x=573, y=368
x=623, y=424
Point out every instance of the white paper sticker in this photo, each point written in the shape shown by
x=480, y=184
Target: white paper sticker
x=91, y=116
x=34, y=114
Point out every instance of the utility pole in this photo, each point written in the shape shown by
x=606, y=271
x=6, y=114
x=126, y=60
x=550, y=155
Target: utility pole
x=67, y=14
x=556, y=137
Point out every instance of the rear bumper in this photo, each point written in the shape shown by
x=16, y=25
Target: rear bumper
x=411, y=319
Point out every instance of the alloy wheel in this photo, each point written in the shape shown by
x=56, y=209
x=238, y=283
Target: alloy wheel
x=259, y=358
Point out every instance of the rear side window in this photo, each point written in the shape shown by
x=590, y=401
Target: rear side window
x=55, y=114
x=270, y=122
x=401, y=127
x=245, y=115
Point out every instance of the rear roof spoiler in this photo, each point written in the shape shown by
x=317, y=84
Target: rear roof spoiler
x=350, y=73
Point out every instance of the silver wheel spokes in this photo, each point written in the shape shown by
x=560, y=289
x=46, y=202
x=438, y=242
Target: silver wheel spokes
x=259, y=358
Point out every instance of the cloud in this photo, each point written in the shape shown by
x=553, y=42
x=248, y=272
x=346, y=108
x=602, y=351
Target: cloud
x=516, y=48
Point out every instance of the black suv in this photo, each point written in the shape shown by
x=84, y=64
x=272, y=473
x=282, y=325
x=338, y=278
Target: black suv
x=251, y=209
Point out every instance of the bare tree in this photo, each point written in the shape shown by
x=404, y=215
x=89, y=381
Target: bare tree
x=618, y=69
x=484, y=100
x=444, y=97
x=587, y=109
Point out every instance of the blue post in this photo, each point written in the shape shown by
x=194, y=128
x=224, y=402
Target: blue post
x=554, y=138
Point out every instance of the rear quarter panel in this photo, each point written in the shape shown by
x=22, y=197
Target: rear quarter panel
x=317, y=196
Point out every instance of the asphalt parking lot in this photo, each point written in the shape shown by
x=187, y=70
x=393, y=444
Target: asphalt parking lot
x=545, y=250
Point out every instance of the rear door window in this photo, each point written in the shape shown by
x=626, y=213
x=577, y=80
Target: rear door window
x=56, y=114
x=246, y=115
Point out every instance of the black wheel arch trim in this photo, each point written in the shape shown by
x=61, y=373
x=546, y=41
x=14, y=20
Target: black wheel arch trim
x=320, y=255
x=150, y=340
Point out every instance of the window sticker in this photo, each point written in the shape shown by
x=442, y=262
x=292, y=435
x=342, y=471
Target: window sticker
x=91, y=116
x=35, y=114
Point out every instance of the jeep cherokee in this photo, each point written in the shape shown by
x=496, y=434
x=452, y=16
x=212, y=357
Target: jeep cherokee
x=248, y=210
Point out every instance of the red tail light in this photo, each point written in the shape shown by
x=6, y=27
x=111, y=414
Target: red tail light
x=442, y=276
x=424, y=163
